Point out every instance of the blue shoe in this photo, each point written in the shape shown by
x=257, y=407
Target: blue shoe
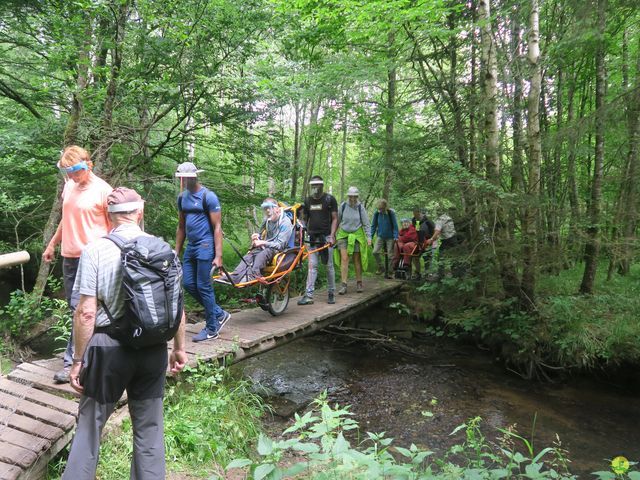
x=223, y=319
x=205, y=334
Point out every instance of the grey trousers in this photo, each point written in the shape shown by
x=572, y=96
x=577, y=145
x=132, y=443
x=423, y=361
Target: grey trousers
x=385, y=244
x=252, y=263
x=109, y=370
x=312, y=275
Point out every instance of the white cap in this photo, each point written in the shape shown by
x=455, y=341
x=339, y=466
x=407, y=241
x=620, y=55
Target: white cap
x=353, y=192
x=187, y=170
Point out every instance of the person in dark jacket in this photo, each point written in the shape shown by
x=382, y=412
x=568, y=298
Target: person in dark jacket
x=425, y=227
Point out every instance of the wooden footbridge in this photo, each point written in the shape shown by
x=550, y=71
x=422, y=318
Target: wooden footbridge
x=37, y=417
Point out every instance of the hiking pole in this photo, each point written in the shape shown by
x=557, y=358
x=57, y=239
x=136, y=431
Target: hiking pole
x=236, y=250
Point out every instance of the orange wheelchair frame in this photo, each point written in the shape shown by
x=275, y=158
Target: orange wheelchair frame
x=273, y=285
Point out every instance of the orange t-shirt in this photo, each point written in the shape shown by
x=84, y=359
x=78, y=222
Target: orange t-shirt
x=84, y=214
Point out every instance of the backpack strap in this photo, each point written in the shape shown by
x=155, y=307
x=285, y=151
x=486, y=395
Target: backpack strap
x=342, y=207
x=120, y=243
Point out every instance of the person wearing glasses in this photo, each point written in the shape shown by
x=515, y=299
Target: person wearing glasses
x=84, y=219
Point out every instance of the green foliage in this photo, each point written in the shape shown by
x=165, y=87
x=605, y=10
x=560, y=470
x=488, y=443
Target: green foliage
x=24, y=310
x=322, y=441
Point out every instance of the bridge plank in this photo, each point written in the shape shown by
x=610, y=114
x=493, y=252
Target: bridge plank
x=40, y=378
x=38, y=412
x=24, y=440
x=29, y=425
x=15, y=455
x=9, y=472
x=39, y=396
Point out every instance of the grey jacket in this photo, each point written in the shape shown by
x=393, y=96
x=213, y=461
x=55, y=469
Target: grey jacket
x=351, y=218
x=277, y=233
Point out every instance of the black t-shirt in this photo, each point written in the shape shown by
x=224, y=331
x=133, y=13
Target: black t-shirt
x=318, y=214
x=427, y=228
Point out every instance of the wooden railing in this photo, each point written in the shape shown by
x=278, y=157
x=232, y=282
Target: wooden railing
x=12, y=259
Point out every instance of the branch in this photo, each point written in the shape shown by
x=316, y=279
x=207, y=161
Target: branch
x=9, y=92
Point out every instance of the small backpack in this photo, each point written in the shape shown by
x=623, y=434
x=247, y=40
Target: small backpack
x=152, y=281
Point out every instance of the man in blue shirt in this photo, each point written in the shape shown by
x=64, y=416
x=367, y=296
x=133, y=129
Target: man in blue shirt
x=200, y=222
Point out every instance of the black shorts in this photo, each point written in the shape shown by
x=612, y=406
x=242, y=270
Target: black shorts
x=110, y=369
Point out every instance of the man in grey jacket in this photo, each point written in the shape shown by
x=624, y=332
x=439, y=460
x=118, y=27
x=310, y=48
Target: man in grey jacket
x=275, y=235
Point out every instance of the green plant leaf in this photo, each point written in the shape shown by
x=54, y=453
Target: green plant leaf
x=263, y=470
x=239, y=463
x=265, y=445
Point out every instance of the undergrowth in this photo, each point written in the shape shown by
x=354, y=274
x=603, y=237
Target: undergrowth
x=317, y=448
x=565, y=330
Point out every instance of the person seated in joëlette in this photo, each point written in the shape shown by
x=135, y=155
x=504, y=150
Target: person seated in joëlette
x=406, y=244
x=275, y=236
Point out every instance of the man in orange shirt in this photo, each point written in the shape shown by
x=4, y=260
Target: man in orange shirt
x=84, y=219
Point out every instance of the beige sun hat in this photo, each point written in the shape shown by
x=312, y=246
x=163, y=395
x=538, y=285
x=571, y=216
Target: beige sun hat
x=353, y=192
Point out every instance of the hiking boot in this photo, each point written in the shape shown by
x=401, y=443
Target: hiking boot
x=416, y=276
x=305, y=300
x=205, y=334
x=331, y=299
x=62, y=376
x=359, y=287
x=343, y=289
x=224, y=318
x=379, y=271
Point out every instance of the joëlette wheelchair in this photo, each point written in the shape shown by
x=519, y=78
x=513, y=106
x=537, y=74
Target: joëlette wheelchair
x=273, y=285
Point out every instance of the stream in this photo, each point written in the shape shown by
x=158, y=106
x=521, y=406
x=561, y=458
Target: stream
x=422, y=400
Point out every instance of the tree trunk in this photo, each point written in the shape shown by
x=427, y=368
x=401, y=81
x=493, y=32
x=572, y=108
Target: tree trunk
x=296, y=152
x=592, y=247
x=107, y=136
x=489, y=94
x=389, y=121
x=71, y=137
x=312, y=144
x=530, y=228
x=630, y=219
x=343, y=157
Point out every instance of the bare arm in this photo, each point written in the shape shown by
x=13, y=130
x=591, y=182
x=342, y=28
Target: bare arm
x=216, y=222
x=84, y=320
x=180, y=233
x=334, y=224
x=435, y=237
x=49, y=253
x=178, y=358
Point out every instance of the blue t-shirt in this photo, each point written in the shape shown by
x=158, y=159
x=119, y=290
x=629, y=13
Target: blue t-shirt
x=197, y=225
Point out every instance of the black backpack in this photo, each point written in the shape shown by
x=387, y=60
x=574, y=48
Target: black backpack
x=152, y=281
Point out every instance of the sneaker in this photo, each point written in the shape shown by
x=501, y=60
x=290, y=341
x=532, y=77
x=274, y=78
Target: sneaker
x=305, y=300
x=359, y=287
x=331, y=299
x=62, y=376
x=205, y=334
x=343, y=289
x=224, y=318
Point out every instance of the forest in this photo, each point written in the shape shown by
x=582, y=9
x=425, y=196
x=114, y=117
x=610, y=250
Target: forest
x=520, y=119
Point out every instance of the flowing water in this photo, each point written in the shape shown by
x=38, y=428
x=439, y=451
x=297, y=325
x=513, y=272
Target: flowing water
x=422, y=400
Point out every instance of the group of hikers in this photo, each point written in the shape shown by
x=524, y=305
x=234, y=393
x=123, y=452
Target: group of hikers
x=97, y=226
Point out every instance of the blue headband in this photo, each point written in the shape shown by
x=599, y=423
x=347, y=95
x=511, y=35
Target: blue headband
x=74, y=168
x=268, y=205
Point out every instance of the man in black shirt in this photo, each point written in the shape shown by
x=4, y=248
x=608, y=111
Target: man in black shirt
x=321, y=216
x=425, y=228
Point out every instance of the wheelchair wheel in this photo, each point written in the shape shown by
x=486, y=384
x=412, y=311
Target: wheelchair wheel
x=277, y=297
